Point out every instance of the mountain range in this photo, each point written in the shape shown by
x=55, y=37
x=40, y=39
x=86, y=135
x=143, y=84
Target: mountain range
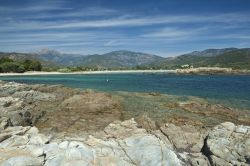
x=226, y=57
x=115, y=59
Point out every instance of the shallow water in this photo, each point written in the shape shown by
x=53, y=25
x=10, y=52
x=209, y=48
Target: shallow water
x=231, y=90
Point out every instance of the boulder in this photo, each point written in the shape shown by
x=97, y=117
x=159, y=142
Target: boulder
x=229, y=144
x=185, y=138
x=32, y=95
x=126, y=143
x=23, y=161
x=123, y=143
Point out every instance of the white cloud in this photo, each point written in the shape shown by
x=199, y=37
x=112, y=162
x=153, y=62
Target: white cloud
x=13, y=10
x=112, y=43
x=95, y=32
x=123, y=21
x=169, y=33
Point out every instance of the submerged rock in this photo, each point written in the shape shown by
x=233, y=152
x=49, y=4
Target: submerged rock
x=70, y=116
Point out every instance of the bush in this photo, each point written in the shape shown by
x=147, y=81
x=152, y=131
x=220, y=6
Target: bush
x=9, y=65
x=64, y=70
x=30, y=65
x=12, y=67
x=5, y=59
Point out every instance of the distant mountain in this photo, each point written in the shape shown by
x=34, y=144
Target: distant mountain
x=118, y=59
x=228, y=57
x=211, y=52
x=24, y=56
x=114, y=59
x=57, y=57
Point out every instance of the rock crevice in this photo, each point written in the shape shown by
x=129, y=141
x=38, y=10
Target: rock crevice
x=125, y=143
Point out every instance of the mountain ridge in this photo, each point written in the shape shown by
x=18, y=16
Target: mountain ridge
x=120, y=58
x=237, y=58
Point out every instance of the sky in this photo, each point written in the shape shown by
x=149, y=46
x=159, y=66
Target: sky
x=161, y=27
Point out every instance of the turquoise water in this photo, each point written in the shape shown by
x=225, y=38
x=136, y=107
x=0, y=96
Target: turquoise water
x=231, y=89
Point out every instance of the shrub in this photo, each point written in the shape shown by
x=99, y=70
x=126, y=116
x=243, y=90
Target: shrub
x=12, y=67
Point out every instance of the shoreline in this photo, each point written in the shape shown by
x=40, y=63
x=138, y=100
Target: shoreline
x=87, y=72
x=53, y=125
x=193, y=71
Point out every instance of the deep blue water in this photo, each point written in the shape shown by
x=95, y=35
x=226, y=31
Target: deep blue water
x=221, y=87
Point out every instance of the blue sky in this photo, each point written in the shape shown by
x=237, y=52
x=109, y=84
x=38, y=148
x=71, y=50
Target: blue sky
x=162, y=27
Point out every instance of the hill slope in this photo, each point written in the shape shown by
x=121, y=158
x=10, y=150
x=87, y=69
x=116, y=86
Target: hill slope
x=119, y=59
x=231, y=58
x=24, y=56
x=116, y=59
x=228, y=57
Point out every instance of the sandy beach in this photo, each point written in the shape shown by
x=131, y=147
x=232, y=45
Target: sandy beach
x=199, y=70
x=88, y=72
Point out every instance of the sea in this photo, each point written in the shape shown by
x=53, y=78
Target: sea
x=231, y=90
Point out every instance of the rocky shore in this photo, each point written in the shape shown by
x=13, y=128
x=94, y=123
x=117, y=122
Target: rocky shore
x=126, y=143
x=59, y=126
x=211, y=70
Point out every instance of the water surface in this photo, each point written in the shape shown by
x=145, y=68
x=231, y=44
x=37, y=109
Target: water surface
x=230, y=89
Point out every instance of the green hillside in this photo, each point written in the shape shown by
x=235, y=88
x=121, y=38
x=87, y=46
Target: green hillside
x=236, y=59
x=20, y=57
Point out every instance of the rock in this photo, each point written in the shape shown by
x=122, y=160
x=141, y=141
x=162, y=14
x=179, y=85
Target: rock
x=185, y=138
x=195, y=159
x=64, y=144
x=219, y=162
x=4, y=123
x=23, y=161
x=32, y=95
x=12, y=131
x=8, y=88
x=133, y=145
x=148, y=150
x=8, y=101
x=146, y=123
x=163, y=138
x=125, y=143
x=229, y=144
x=124, y=129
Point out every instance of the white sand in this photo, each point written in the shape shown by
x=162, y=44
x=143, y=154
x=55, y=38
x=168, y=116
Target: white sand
x=88, y=72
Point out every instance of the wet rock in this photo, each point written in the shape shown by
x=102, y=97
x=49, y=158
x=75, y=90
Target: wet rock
x=85, y=112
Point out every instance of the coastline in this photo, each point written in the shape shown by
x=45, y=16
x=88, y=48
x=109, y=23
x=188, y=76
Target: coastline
x=54, y=125
x=87, y=72
x=192, y=71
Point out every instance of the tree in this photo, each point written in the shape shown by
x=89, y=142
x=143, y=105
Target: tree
x=35, y=66
x=5, y=59
x=12, y=67
x=30, y=65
